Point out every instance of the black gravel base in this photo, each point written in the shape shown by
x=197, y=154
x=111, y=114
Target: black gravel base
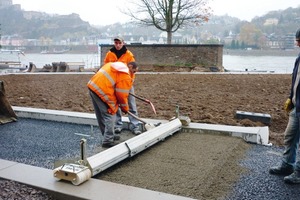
x=258, y=184
x=41, y=143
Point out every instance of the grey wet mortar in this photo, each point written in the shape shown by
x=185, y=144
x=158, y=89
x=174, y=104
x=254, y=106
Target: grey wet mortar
x=200, y=166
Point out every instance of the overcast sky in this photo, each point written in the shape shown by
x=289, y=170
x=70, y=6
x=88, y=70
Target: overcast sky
x=109, y=11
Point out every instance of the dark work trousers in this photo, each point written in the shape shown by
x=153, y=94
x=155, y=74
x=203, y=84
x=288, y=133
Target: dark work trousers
x=134, y=123
x=105, y=120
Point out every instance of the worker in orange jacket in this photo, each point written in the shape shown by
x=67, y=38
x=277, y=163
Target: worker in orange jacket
x=109, y=90
x=119, y=53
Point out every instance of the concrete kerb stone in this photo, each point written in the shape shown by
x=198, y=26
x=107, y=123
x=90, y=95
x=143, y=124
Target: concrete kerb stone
x=256, y=135
x=43, y=179
x=261, y=117
x=69, y=117
x=56, y=115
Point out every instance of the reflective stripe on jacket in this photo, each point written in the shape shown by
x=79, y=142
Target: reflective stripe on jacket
x=112, y=84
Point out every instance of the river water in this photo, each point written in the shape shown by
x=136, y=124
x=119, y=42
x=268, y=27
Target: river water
x=90, y=60
x=276, y=64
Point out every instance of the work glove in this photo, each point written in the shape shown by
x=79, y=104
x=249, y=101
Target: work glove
x=124, y=111
x=288, y=105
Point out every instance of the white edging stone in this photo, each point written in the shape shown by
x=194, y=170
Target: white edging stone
x=257, y=135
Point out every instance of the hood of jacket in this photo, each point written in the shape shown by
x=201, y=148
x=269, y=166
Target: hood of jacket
x=119, y=66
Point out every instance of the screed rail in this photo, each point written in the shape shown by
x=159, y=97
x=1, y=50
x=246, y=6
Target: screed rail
x=131, y=147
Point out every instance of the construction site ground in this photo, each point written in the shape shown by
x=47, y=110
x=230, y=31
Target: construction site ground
x=205, y=98
x=194, y=165
x=199, y=166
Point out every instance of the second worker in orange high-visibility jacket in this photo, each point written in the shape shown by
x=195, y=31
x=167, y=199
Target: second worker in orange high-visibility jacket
x=109, y=90
x=119, y=53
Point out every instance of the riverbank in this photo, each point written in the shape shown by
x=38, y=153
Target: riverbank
x=271, y=52
x=92, y=49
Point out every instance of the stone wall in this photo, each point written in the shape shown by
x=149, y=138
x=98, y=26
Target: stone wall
x=157, y=57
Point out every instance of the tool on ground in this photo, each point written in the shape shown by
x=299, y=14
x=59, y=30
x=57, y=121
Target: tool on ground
x=185, y=120
x=147, y=126
x=144, y=100
x=77, y=172
x=7, y=114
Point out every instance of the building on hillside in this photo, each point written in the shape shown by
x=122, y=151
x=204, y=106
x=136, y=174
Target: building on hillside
x=281, y=42
x=5, y=3
x=9, y=4
x=12, y=40
x=271, y=21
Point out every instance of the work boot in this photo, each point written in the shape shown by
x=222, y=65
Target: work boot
x=281, y=170
x=294, y=178
x=136, y=131
x=117, y=137
x=108, y=144
x=118, y=130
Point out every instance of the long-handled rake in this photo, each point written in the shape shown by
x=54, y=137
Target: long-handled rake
x=144, y=100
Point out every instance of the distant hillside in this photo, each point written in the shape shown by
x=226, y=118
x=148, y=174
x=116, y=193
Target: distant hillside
x=34, y=25
x=37, y=25
x=280, y=22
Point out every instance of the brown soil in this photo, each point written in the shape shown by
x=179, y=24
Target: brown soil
x=195, y=165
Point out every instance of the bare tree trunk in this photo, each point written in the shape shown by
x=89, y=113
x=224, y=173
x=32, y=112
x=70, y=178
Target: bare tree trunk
x=169, y=37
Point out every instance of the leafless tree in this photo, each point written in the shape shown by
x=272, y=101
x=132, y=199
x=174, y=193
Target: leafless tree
x=169, y=15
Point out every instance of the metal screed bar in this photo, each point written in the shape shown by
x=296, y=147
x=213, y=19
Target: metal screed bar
x=131, y=147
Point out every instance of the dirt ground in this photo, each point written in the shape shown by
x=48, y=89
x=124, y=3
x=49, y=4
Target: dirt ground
x=205, y=98
x=176, y=165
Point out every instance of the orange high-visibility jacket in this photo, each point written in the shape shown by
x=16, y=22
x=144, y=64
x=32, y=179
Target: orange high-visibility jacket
x=112, y=84
x=125, y=58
